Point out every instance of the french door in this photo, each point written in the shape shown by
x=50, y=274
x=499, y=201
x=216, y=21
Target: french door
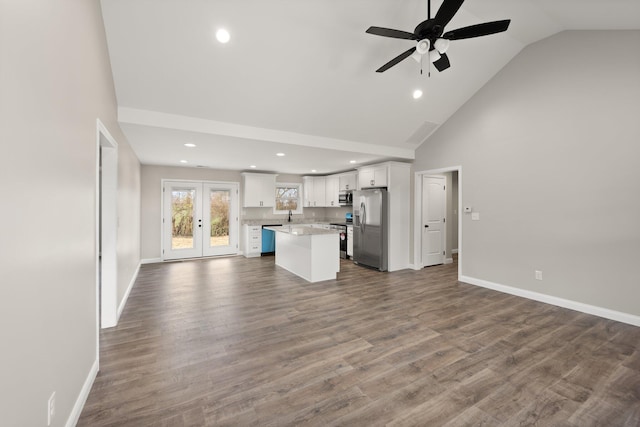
x=199, y=219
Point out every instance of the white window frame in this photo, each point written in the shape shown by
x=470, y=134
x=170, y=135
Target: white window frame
x=298, y=185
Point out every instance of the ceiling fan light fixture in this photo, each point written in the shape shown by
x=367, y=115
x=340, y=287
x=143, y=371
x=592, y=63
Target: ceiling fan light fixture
x=423, y=46
x=416, y=55
x=434, y=55
x=441, y=45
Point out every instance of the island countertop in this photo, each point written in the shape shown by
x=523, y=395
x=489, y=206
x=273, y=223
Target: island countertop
x=301, y=230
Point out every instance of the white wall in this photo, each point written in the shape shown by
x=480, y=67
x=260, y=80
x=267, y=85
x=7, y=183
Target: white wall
x=128, y=216
x=55, y=81
x=549, y=150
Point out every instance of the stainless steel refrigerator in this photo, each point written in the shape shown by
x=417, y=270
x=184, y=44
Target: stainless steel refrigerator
x=370, y=228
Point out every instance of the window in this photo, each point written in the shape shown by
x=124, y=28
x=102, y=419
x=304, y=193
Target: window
x=288, y=198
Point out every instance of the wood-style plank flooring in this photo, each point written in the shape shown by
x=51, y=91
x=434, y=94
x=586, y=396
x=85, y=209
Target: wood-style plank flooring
x=241, y=342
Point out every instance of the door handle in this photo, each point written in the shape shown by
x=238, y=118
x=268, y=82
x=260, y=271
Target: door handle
x=426, y=226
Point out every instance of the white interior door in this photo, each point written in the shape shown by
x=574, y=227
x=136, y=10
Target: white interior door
x=199, y=219
x=433, y=219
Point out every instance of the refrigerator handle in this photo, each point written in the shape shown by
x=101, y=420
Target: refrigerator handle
x=363, y=211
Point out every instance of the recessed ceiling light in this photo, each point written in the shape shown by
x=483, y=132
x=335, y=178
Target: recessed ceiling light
x=280, y=154
x=252, y=166
x=183, y=161
x=417, y=94
x=352, y=161
x=190, y=145
x=313, y=170
x=223, y=35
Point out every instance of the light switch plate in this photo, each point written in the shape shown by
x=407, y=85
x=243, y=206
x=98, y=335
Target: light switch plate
x=475, y=216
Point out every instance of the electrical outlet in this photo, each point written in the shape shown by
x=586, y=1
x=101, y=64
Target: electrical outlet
x=475, y=216
x=51, y=408
x=538, y=275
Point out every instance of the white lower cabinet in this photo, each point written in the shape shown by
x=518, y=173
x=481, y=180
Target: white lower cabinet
x=252, y=240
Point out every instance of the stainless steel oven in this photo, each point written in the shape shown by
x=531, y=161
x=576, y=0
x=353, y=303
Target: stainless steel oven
x=342, y=228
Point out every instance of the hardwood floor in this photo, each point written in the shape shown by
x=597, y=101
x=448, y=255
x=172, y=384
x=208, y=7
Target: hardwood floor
x=241, y=342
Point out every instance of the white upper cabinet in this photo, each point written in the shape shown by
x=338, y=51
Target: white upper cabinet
x=314, y=191
x=373, y=176
x=348, y=181
x=319, y=190
x=259, y=190
x=332, y=190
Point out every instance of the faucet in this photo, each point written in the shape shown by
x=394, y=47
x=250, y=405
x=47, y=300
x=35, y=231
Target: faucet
x=289, y=220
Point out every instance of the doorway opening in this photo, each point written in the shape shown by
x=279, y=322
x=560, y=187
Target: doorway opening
x=106, y=227
x=434, y=238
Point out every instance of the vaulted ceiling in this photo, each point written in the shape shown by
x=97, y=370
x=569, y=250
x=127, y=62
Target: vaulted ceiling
x=298, y=77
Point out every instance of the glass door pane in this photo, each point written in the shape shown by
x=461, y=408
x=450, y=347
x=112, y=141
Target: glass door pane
x=219, y=216
x=182, y=216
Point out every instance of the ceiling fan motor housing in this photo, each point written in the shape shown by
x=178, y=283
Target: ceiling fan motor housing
x=428, y=30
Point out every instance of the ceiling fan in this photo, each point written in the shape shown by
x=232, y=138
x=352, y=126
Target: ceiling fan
x=430, y=36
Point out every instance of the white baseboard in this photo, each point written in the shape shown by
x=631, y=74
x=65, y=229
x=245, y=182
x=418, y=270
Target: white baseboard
x=82, y=397
x=448, y=260
x=454, y=251
x=414, y=267
x=619, y=316
x=127, y=292
x=150, y=260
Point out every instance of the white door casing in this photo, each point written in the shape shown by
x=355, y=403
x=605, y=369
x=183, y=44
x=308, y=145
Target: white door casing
x=106, y=226
x=433, y=220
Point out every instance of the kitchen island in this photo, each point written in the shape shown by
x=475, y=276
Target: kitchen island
x=311, y=253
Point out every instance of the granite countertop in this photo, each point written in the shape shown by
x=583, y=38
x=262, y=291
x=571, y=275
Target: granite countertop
x=301, y=230
x=302, y=221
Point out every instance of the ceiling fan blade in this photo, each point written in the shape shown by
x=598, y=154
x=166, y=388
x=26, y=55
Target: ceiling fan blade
x=477, y=30
x=447, y=11
x=395, y=60
x=442, y=63
x=389, y=32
